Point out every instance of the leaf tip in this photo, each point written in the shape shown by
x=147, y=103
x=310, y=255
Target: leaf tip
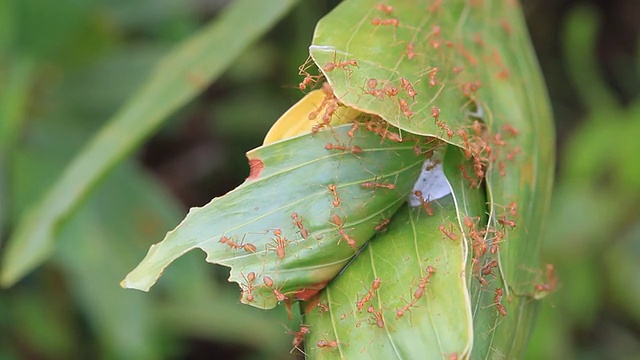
x=127, y=284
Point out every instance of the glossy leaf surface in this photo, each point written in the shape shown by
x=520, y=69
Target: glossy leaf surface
x=474, y=83
x=436, y=324
x=294, y=176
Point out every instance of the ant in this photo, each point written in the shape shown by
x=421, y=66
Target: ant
x=506, y=222
x=353, y=149
x=417, y=295
x=435, y=112
x=268, y=282
x=486, y=270
x=383, y=225
x=327, y=344
x=410, y=50
x=404, y=107
x=376, y=317
x=390, y=90
x=281, y=243
x=425, y=204
x=353, y=129
x=432, y=76
x=350, y=241
x=552, y=280
x=303, y=232
x=393, y=21
x=250, y=278
x=246, y=247
x=388, y=9
x=372, y=185
x=330, y=66
x=449, y=233
x=495, y=244
x=497, y=301
x=298, y=337
x=511, y=130
x=334, y=191
x=408, y=87
x=375, y=285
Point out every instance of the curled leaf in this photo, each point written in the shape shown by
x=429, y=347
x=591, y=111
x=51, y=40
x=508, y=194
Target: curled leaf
x=298, y=219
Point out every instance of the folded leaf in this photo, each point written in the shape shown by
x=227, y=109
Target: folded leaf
x=419, y=310
x=298, y=219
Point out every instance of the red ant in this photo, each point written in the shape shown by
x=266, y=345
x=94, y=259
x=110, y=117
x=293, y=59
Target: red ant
x=281, y=243
x=353, y=149
x=449, y=233
x=435, y=113
x=354, y=127
x=417, y=295
x=350, y=241
x=425, y=204
x=334, y=191
x=423, y=282
x=497, y=237
x=323, y=307
x=250, y=278
x=372, y=185
x=246, y=247
x=390, y=90
x=470, y=87
x=552, y=280
x=410, y=50
x=510, y=129
x=327, y=344
x=388, y=9
x=506, y=222
x=383, y=131
x=486, y=270
x=432, y=77
x=377, y=22
x=407, y=86
x=268, y=282
x=303, y=232
x=330, y=66
x=511, y=209
x=470, y=222
x=383, y=225
x=308, y=80
x=375, y=285
x=378, y=93
x=496, y=300
x=404, y=107
x=298, y=337
x=376, y=317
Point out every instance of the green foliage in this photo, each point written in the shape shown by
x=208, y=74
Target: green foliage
x=436, y=325
x=593, y=229
x=57, y=87
x=289, y=177
x=178, y=78
x=504, y=131
x=66, y=68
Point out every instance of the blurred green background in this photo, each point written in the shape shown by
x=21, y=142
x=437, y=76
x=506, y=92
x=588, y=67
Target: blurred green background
x=67, y=66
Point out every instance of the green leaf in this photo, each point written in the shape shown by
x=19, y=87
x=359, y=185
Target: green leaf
x=287, y=177
x=435, y=325
x=180, y=76
x=488, y=98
